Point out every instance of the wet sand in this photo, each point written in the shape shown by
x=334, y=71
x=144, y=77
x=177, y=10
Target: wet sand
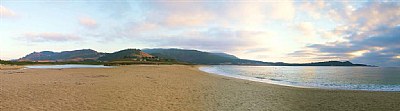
x=170, y=87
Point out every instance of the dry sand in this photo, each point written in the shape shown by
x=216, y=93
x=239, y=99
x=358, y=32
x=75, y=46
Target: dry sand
x=170, y=87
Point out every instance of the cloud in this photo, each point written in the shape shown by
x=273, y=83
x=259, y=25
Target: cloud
x=205, y=25
x=49, y=36
x=5, y=12
x=383, y=47
x=376, y=14
x=327, y=30
x=380, y=59
x=220, y=39
x=226, y=14
x=312, y=55
x=369, y=34
x=368, y=17
x=214, y=39
x=307, y=28
x=88, y=22
x=314, y=9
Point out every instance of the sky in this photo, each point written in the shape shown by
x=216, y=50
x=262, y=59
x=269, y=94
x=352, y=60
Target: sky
x=365, y=32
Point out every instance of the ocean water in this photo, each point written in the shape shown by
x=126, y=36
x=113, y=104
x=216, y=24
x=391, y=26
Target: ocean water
x=345, y=78
x=66, y=66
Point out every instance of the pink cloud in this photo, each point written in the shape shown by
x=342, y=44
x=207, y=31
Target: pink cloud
x=88, y=22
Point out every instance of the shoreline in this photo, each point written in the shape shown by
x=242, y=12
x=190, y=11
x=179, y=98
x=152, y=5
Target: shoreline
x=170, y=87
x=288, y=86
x=255, y=79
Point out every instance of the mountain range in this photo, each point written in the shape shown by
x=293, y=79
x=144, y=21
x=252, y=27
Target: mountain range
x=76, y=55
x=181, y=55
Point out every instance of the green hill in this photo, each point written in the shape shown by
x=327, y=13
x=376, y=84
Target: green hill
x=76, y=55
x=198, y=57
x=125, y=54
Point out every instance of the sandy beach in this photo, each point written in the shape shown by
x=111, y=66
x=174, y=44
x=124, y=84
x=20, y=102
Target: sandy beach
x=170, y=87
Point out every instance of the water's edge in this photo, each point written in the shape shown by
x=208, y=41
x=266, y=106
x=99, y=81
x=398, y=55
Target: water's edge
x=210, y=70
x=204, y=69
